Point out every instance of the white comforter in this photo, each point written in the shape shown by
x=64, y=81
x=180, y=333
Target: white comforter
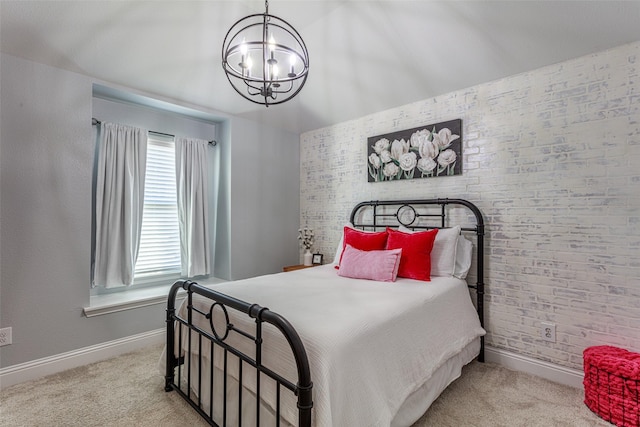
x=370, y=344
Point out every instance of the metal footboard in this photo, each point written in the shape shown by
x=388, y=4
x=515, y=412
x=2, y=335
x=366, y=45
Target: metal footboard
x=196, y=337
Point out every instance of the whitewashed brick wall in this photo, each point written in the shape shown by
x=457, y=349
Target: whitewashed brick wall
x=552, y=158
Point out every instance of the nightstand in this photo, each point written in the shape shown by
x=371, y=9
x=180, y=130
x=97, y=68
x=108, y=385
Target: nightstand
x=296, y=267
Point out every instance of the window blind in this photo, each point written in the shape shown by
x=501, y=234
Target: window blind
x=159, y=252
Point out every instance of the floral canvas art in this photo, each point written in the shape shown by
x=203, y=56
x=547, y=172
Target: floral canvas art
x=422, y=152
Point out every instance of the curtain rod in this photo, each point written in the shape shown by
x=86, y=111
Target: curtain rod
x=95, y=121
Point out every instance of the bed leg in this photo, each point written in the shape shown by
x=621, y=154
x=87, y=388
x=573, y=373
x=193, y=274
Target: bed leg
x=167, y=384
x=171, y=360
x=480, y=303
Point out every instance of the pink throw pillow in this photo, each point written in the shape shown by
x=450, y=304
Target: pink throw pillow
x=416, y=252
x=371, y=265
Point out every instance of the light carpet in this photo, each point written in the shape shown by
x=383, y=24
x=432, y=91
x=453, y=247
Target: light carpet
x=129, y=391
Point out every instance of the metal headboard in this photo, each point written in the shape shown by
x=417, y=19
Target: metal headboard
x=429, y=214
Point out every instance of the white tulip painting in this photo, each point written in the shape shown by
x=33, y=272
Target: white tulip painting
x=423, y=152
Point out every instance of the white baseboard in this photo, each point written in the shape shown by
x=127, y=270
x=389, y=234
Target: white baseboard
x=60, y=362
x=539, y=368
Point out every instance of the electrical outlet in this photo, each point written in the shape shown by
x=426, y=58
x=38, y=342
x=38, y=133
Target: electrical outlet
x=548, y=331
x=5, y=336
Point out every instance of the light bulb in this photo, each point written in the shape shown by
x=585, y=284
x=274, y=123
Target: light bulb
x=272, y=43
x=292, y=61
x=243, y=48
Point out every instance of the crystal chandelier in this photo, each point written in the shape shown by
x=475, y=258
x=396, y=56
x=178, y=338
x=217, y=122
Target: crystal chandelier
x=265, y=59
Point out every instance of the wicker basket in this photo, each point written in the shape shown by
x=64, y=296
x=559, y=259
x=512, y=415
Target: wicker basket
x=612, y=384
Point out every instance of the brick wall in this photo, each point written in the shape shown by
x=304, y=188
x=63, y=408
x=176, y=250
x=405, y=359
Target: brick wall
x=552, y=158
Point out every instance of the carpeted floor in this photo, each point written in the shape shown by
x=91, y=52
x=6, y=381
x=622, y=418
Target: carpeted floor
x=129, y=391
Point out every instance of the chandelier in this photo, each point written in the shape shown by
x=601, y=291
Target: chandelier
x=265, y=59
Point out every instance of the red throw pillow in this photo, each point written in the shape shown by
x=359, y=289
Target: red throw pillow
x=415, y=262
x=364, y=240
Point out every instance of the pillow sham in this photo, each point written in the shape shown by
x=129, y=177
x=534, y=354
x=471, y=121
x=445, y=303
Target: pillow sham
x=443, y=254
x=464, y=254
x=360, y=240
x=364, y=240
x=415, y=262
x=380, y=265
x=340, y=248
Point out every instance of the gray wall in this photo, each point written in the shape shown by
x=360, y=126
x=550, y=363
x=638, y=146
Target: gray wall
x=261, y=212
x=46, y=157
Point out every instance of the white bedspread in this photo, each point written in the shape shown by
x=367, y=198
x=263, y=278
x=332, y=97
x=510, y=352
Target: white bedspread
x=370, y=344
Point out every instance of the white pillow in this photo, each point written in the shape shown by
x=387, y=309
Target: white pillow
x=443, y=254
x=336, y=258
x=463, y=257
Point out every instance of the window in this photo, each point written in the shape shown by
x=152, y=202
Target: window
x=159, y=252
x=160, y=249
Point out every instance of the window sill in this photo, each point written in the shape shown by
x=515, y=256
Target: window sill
x=129, y=300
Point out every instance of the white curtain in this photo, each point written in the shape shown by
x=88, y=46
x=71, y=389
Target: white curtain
x=192, y=173
x=120, y=178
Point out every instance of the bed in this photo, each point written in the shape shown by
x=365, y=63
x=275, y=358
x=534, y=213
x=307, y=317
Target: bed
x=333, y=349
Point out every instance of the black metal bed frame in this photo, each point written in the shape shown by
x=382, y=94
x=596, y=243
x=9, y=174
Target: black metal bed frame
x=408, y=214
x=303, y=389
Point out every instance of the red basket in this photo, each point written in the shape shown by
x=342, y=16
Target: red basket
x=612, y=384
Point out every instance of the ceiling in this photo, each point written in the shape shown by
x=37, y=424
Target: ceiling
x=365, y=56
